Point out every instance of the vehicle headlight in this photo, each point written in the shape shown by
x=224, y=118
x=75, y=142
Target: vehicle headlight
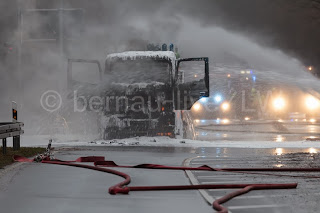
x=279, y=103
x=203, y=100
x=225, y=106
x=217, y=98
x=196, y=107
x=225, y=121
x=312, y=103
x=312, y=120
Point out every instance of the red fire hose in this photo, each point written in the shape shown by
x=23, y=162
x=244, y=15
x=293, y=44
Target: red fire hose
x=123, y=188
x=208, y=168
x=205, y=168
x=217, y=203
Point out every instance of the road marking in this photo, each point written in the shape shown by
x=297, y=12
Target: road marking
x=218, y=176
x=210, y=171
x=227, y=182
x=255, y=206
x=210, y=199
x=222, y=174
x=244, y=162
x=223, y=190
x=224, y=160
x=260, y=196
x=196, y=176
x=264, y=196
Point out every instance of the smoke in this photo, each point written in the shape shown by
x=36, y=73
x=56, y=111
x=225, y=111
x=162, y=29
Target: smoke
x=289, y=25
x=226, y=49
x=106, y=27
x=257, y=34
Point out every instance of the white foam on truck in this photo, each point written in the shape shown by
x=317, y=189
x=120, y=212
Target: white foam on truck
x=133, y=55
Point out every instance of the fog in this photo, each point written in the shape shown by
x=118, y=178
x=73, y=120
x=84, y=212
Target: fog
x=115, y=26
x=233, y=49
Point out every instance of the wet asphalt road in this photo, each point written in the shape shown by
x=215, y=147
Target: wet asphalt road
x=302, y=199
x=51, y=188
x=209, y=130
x=36, y=188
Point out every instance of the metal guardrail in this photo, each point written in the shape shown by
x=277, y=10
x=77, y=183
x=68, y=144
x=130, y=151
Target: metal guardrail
x=11, y=129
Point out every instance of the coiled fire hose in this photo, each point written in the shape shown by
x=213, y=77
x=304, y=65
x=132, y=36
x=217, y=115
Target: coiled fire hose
x=124, y=188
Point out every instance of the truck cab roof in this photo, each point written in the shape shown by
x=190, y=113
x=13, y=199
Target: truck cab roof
x=132, y=55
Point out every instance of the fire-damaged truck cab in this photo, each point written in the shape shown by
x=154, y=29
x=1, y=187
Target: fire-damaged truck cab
x=146, y=92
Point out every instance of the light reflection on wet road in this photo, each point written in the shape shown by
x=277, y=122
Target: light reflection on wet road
x=302, y=199
x=209, y=130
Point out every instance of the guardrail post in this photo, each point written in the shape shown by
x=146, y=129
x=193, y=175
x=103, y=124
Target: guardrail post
x=16, y=142
x=4, y=146
x=16, y=139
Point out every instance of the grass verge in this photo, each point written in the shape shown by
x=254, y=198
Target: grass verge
x=24, y=151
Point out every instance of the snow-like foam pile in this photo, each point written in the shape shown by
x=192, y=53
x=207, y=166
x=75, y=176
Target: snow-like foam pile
x=162, y=142
x=132, y=55
x=139, y=85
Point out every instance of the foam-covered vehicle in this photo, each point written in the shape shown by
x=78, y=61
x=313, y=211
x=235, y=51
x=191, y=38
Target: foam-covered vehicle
x=145, y=93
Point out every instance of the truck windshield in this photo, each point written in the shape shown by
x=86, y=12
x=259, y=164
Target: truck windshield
x=140, y=71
